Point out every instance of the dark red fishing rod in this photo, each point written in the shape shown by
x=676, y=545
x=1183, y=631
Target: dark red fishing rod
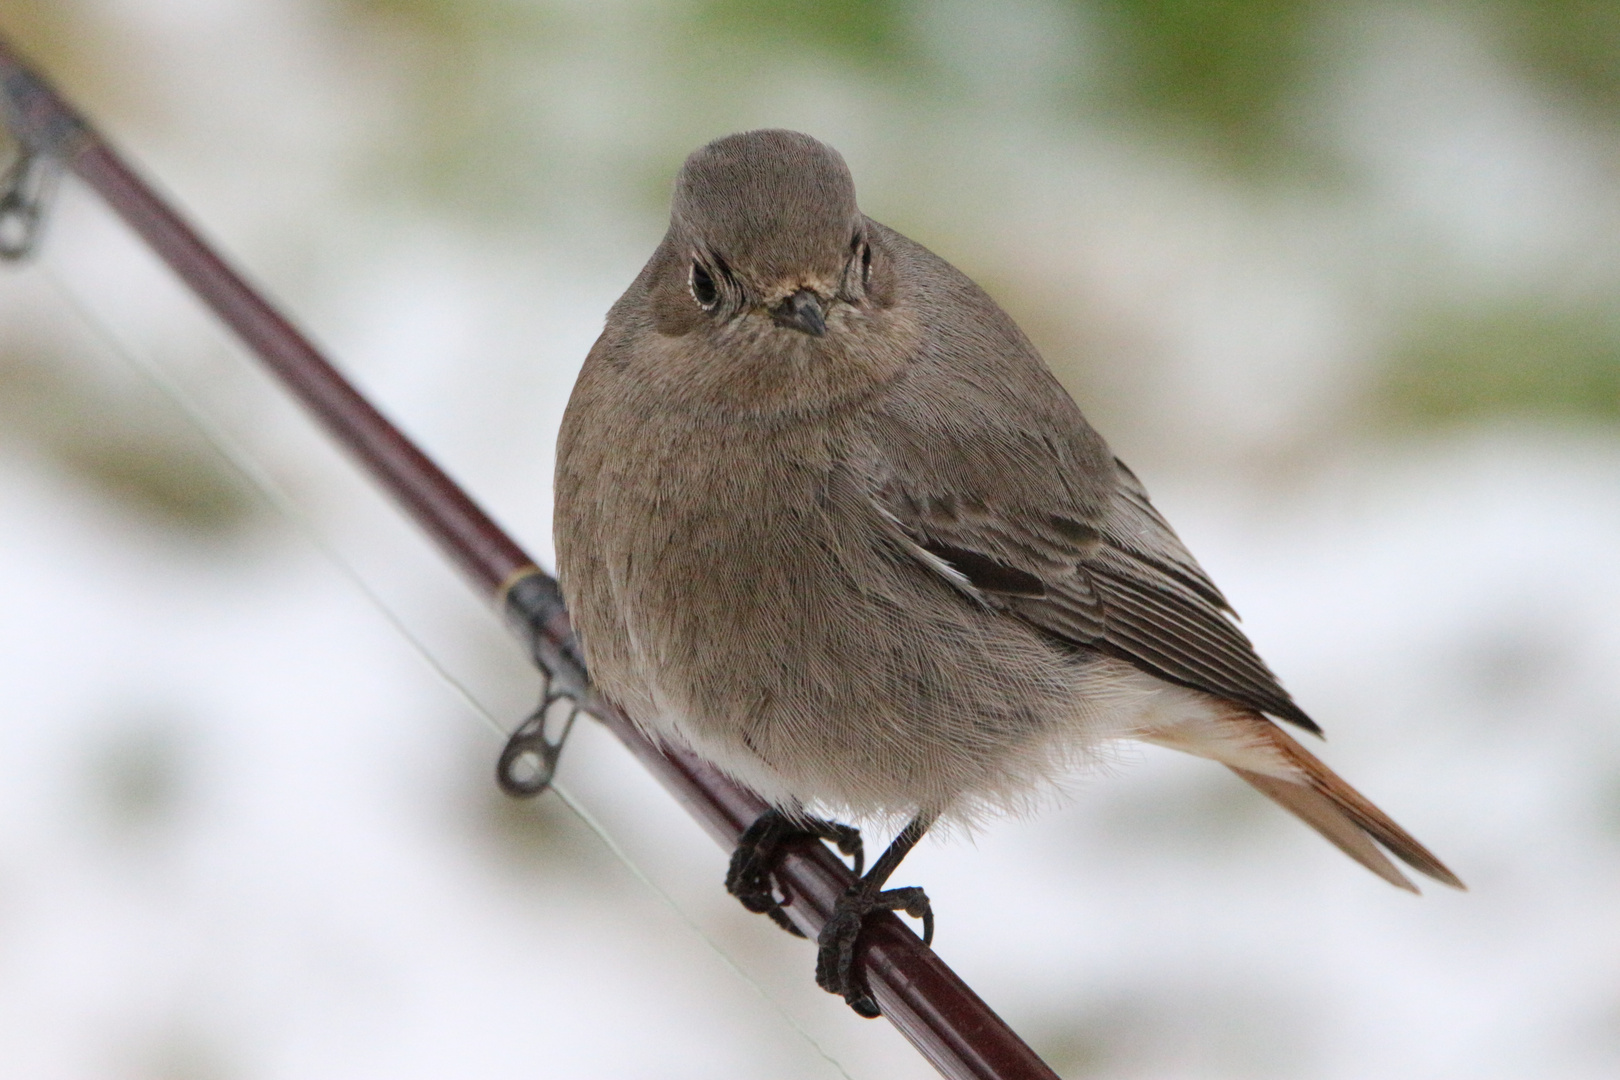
x=955, y=1030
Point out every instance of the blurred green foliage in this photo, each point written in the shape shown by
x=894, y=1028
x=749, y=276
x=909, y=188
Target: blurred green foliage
x=1572, y=43
x=489, y=132
x=449, y=20
x=1224, y=71
x=75, y=43
x=122, y=443
x=874, y=34
x=1231, y=78
x=465, y=118
x=1531, y=361
x=51, y=31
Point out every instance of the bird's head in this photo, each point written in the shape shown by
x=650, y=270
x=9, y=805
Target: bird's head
x=772, y=289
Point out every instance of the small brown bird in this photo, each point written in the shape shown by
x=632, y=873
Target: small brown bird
x=825, y=517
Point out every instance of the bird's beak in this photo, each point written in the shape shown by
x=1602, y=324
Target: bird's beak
x=803, y=312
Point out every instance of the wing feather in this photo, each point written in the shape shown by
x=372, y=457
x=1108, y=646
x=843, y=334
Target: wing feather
x=997, y=484
x=1119, y=581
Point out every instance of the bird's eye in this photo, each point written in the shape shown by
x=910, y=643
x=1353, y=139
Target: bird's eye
x=703, y=290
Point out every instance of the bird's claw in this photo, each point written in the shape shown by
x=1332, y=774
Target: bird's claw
x=835, y=959
x=760, y=846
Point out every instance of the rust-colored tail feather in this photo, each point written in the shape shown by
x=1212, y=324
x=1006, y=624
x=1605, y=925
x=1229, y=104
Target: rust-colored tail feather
x=1322, y=814
x=1343, y=815
x=1285, y=772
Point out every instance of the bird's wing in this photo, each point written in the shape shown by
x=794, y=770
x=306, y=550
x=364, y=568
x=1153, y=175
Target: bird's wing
x=1089, y=562
x=988, y=474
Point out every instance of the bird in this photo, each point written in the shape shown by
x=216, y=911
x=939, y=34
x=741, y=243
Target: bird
x=824, y=516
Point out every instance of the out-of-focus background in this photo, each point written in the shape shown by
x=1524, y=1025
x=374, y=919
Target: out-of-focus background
x=1340, y=280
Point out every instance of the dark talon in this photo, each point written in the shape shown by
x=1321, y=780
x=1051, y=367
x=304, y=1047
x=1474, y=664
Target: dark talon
x=914, y=902
x=749, y=879
x=836, y=970
x=752, y=863
x=847, y=838
x=835, y=959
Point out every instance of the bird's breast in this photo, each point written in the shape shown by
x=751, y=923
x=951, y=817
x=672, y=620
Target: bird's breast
x=695, y=544
x=741, y=596
x=722, y=526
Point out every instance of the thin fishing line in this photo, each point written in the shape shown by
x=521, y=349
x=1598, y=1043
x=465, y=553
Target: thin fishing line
x=240, y=459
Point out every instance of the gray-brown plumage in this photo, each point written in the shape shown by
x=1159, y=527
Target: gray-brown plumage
x=824, y=515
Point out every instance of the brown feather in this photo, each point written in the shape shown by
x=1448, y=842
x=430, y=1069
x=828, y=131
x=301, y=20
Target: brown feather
x=1353, y=807
x=1326, y=817
x=1269, y=759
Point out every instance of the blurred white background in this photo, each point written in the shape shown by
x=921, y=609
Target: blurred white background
x=1342, y=282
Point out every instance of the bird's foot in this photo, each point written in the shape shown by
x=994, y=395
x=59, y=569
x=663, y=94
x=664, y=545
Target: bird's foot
x=759, y=848
x=835, y=961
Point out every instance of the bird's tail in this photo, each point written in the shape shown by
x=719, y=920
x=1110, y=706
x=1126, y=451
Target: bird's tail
x=1291, y=776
